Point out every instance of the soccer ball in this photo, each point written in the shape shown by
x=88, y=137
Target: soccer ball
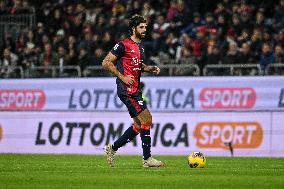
x=196, y=160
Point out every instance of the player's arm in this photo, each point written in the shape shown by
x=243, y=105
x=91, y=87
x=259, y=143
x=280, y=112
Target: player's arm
x=150, y=69
x=108, y=64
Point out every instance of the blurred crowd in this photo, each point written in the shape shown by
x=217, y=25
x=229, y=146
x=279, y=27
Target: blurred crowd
x=200, y=32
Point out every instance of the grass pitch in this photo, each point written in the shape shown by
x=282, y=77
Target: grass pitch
x=86, y=171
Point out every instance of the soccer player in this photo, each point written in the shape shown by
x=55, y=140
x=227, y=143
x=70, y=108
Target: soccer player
x=125, y=61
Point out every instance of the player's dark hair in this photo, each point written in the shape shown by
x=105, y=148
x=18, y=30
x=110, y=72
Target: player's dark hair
x=134, y=21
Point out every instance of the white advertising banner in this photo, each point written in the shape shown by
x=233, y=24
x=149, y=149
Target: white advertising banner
x=277, y=132
x=165, y=94
x=249, y=134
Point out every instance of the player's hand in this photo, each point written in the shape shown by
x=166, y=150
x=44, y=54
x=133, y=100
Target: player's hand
x=128, y=79
x=155, y=69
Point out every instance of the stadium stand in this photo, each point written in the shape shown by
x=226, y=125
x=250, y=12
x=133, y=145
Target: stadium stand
x=66, y=38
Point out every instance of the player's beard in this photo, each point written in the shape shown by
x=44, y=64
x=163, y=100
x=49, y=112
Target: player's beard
x=140, y=35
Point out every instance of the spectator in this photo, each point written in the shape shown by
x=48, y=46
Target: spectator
x=279, y=16
x=199, y=46
x=210, y=21
x=55, y=22
x=183, y=50
x=71, y=42
x=232, y=56
x=112, y=27
x=47, y=59
x=16, y=9
x=279, y=38
x=279, y=56
x=181, y=17
x=92, y=14
x=160, y=26
x=197, y=21
x=236, y=24
x=44, y=40
x=21, y=43
x=213, y=39
x=136, y=7
x=76, y=27
x=39, y=32
x=122, y=29
x=73, y=58
x=170, y=45
x=213, y=55
x=246, y=21
x=63, y=61
x=3, y=7
x=256, y=41
x=148, y=11
x=31, y=43
x=84, y=61
x=184, y=57
x=199, y=43
x=278, y=59
x=70, y=14
x=244, y=37
x=8, y=42
x=171, y=12
x=246, y=56
x=267, y=57
x=98, y=56
x=222, y=26
x=80, y=11
x=259, y=19
x=160, y=29
x=87, y=42
x=99, y=28
x=58, y=39
x=221, y=9
x=107, y=41
x=8, y=64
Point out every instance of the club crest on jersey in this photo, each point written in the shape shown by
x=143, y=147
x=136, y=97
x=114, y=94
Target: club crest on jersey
x=136, y=61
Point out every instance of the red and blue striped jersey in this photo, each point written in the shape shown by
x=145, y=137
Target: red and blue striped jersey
x=130, y=56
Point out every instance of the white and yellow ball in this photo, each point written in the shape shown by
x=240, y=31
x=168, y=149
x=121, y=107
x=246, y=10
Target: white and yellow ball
x=196, y=160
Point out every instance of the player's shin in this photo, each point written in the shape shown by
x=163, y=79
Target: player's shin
x=146, y=140
x=127, y=136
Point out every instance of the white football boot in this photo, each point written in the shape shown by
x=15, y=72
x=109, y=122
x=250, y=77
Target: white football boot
x=109, y=154
x=151, y=162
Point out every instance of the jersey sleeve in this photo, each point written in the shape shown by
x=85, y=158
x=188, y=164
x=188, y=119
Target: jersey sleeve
x=118, y=50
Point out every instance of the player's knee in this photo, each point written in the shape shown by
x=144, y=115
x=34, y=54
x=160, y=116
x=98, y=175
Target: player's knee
x=147, y=120
x=136, y=128
x=147, y=123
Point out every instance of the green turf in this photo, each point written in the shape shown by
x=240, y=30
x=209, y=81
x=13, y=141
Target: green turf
x=86, y=171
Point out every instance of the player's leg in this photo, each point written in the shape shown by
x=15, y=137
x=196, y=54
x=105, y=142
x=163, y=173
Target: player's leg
x=145, y=119
x=127, y=136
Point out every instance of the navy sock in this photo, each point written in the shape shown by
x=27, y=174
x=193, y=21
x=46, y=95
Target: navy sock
x=146, y=141
x=127, y=136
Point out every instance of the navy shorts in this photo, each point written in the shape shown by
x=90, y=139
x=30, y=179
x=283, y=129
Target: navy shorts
x=133, y=102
